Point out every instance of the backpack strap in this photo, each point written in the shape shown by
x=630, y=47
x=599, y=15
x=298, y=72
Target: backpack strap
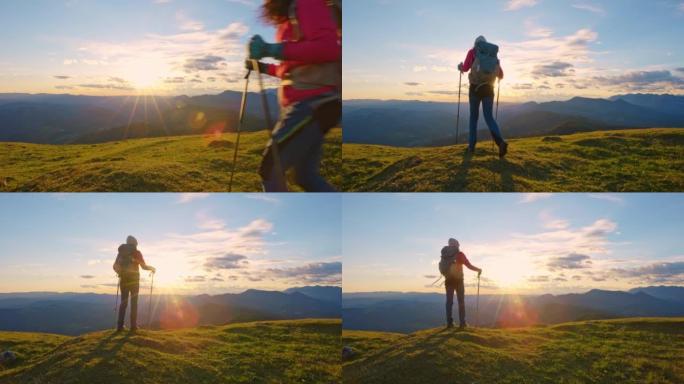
x=292, y=16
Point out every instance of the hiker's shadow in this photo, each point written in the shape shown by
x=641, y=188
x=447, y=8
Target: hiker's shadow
x=504, y=168
x=106, y=349
x=460, y=181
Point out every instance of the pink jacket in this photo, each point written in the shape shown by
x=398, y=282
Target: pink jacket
x=470, y=59
x=318, y=43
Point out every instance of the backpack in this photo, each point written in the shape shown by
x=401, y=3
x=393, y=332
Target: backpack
x=125, y=261
x=486, y=66
x=449, y=256
x=313, y=76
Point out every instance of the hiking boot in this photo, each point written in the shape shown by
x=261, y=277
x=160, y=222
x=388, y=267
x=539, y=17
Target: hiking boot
x=450, y=325
x=463, y=326
x=134, y=329
x=503, y=150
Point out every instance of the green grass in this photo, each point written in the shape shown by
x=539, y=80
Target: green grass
x=304, y=351
x=639, y=350
x=170, y=164
x=645, y=160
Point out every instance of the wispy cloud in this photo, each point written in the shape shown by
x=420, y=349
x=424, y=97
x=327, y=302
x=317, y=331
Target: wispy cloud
x=185, y=198
x=514, y=5
x=527, y=198
x=590, y=8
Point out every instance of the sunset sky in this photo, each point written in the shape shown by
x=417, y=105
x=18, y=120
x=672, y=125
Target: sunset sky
x=198, y=243
x=104, y=47
x=525, y=243
x=550, y=49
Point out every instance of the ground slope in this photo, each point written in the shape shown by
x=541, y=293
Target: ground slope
x=609, y=161
x=303, y=351
x=639, y=350
x=169, y=164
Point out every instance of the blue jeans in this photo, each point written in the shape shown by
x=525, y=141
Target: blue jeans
x=300, y=136
x=487, y=107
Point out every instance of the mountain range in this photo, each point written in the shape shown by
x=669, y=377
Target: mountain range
x=420, y=124
x=410, y=312
x=74, y=119
x=76, y=313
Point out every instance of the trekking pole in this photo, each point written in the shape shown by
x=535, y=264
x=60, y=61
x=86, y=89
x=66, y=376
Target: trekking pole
x=149, y=303
x=269, y=122
x=436, y=281
x=116, y=303
x=243, y=107
x=458, y=114
x=477, y=304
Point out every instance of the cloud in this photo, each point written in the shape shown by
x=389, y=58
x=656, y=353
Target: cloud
x=262, y=197
x=555, y=69
x=430, y=276
x=206, y=63
x=228, y=261
x=444, y=93
x=538, y=279
x=680, y=69
x=571, y=261
x=87, y=277
x=185, y=198
x=607, y=197
x=527, y=198
x=107, y=86
x=590, y=8
x=62, y=77
x=664, y=272
x=89, y=286
x=514, y=5
x=188, y=24
x=312, y=273
x=420, y=68
x=195, y=279
x=534, y=30
x=643, y=80
x=411, y=84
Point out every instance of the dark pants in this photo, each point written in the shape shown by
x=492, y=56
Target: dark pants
x=130, y=286
x=451, y=286
x=299, y=133
x=485, y=96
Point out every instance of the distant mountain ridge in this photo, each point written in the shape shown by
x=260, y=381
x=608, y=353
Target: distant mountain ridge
x=74, y=313
x=75, y=119
x=417, y=123
x=409, y=312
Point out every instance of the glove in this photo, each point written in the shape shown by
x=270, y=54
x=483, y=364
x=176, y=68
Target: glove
x=263, y=67
x=479, y=272
x=258, y=49
x=153, y=269
x=460, y=67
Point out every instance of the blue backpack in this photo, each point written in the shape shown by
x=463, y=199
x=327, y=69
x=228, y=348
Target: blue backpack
x=486, y=66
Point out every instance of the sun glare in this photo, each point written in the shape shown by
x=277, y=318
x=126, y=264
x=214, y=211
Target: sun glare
x=146, y=74
x=509, y=272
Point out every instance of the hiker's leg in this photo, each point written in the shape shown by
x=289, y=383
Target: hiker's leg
x=487, y=109
x=291, y=120
x=124, y=303
x=448, y=285
x=309, y=145
x=474, y=116
x=460, y=296
x=135, y=289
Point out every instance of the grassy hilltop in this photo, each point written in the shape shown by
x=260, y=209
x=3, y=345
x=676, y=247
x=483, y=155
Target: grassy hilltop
x=609, y=161
x=168, y=164
x=639, y=350
x=303, y=351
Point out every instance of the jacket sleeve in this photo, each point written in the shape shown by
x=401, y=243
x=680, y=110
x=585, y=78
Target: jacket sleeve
x=466, y=262
x=139, y=258
x=319, y=41
x=501, y=75
x=470, y=59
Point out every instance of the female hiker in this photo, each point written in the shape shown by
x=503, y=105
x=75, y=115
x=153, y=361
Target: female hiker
x=309, y=50
x=484, y=67
x=127, y=264
x=451, y=266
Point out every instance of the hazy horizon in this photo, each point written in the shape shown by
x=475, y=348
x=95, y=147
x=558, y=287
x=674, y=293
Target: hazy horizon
x=548, y=49
x=525, y=243
x=162, y=47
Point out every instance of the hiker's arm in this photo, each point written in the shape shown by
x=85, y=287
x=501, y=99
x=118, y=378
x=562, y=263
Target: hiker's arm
x=500, y=72
x=466, y=262
x=319, y=43
x=265, y=68
x=144, y=265
x=468, y=63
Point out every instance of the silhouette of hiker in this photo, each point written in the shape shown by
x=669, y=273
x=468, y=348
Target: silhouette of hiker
x=126, y=266
x=482, y=78
x=309, y=48
x=451, y=266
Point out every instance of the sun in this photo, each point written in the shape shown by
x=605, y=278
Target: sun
x=509, y=272
x=146, y=73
